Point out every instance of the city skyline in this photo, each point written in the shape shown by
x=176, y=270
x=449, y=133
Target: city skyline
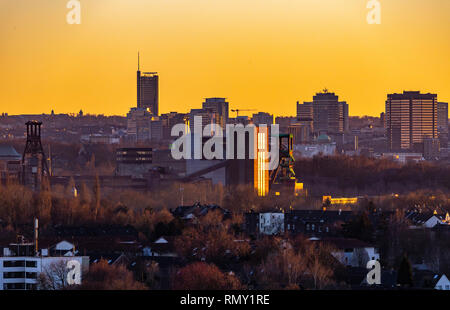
x=221, y=49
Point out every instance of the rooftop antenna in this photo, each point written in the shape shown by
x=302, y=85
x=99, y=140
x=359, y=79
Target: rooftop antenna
x=138, y=62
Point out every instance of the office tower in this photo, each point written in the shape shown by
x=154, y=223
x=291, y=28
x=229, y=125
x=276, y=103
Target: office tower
x=300, y=132
x=329, y=115
x=305, y=111
x=442, y=123
x=431, y=148
x=382, y=120
x=156, y=129
x=171, y=119
x=410, y=117
x=139, y=125
x=284, y=122
x=219, y=106
x=147, y=91
x=305, y=116
x=262, y=118
x=209, y=116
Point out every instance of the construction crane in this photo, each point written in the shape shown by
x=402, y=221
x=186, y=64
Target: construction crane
x=239, y=110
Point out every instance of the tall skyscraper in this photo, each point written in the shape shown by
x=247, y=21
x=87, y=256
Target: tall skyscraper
x=410, y=117
x=219, y=106
x=329, y=115
x=442, y=123
x=147, y=91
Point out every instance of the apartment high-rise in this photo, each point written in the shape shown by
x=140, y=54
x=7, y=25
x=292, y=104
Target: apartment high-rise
x=410, y=118
x=148, y=91
x=442, y=123
x=328, y=114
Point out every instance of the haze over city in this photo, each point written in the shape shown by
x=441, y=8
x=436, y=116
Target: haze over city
x=263, y=55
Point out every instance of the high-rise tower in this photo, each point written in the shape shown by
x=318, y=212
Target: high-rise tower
x=410, y=118
x=147, y=90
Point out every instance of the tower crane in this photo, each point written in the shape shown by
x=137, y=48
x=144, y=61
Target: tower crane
x=239, y=110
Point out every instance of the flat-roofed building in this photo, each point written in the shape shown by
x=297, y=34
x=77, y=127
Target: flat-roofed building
x=410, y=117
x=219, y=106
x=329, y=115
x=135, y=162
x=442, y=123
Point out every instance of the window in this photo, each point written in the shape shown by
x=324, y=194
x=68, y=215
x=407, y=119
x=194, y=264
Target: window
x=14, y=263
x=14, y=286
x=31, y=275
x=13, y=275
x=31, y=264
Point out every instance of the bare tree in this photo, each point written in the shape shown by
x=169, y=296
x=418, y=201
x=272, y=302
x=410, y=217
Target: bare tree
x=53, y=276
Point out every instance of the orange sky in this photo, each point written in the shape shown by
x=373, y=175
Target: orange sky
x=260, y=54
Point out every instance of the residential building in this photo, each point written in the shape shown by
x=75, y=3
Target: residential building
x=351, y=252
x=443, y=283
x=316, y=222
x=21, y=265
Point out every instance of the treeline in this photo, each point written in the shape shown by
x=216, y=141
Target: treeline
x=344, y=175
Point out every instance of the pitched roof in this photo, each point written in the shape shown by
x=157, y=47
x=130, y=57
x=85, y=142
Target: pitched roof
x=9, y=152
x=319, y=215
x=345, y=243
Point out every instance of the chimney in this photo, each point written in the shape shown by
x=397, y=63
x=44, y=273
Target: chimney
x=36, y=227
